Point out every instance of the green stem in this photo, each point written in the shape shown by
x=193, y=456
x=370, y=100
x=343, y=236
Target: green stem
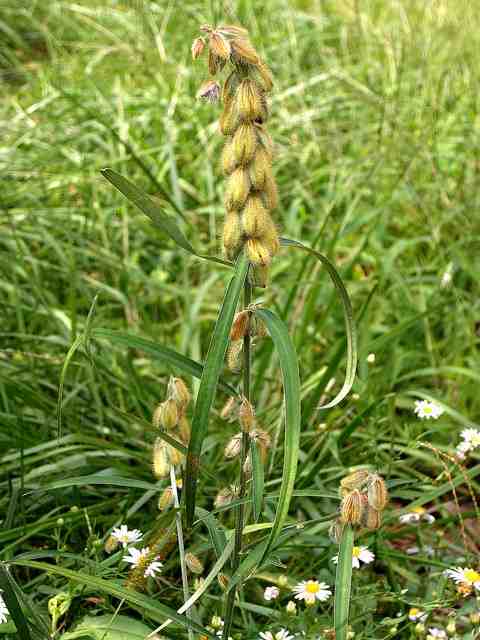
x=240, y=511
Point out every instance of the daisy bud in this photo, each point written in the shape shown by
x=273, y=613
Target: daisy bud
x=260, y=169
x=420, y=629
x=111, y=544
x=451, y=628
x=229, y=162
x=291, y=608
x=232, y=234
x=249, y=102
x=219, y=45
x=282, y=581
x=233, y=447
x=238, y=187
x=193, y=563
x=352, y=507
x=335, y=531
x=198, y=46
x=244, y=143
x=166, y=499
x=223, y=581
x=234, y=356
x=246, y=415
x=161, y=463
x=377, y=492
x=257, y=252
x=355, y=480
x=244, y=51
x=178, y=391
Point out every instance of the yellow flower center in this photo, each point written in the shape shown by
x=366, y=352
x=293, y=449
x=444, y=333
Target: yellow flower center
x=413, y=611
x=356, y=552
x=472, y=576
x=311, y=587
x=427, y=409
x=419, y=510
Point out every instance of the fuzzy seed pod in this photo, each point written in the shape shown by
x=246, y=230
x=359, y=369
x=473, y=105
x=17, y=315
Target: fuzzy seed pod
x=371, y=518
x=255, y=218
x=266, y=76
x=238, y=187
x=232, y=31
x=229, y=408
x=198, y=46
x=249, y=103
x=355, y=480
x=335, y=531
x=166, y=415
x=230, y=87
x=219, y=46
x=111, y=544
x=240, y=325
x=377, y=492
x=233, y=447
x=246, y=416
x=225, y=496
x=232, y=235
x=244, y=52
x=260, y=169
x=244, y=143
x=352, y=508
x=270, y=193
x=257, y=252
x=178, y=392
x=228, y=119
x=229, y=162
x=234, y=356
x=257, y=328
x=174, y=455
x=184, y=430
x=193, y=563
x=166, y=499
x=265, y=141
x=161, y=462
x=223, y=581
x=215, y=63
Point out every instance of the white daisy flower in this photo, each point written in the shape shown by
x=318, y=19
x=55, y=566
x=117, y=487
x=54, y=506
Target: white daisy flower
x=271, y=593
x=417, y=615
x=283, y=634
x=435, y=632
x=4, y=612
x=427, y=409
x=126, y=536
x=427, y=550
x=359, y=554
x=311, y=590
x=415, y=515
x=471, y=440
x=135, y=556
x=153, y=568
x=464, y=576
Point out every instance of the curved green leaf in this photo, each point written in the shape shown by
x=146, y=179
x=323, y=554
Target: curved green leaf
x=176, y=360
x=151, y=607
x=7, y=586
x=156, y=214
x=209, y=380
x=291, y=385
x=349, y=322
x=343, y=584
x=258, y=480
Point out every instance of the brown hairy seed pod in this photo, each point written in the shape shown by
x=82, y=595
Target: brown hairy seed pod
x=233, y=446
x=234, y=356
x=244, y=143
x=355, y=480
x=238, y=187
x=260, y=169
x=198, y=46
x=249, y=103
x=193, y=563
x=161, y=463
x=377, y=492
x=174, y=455
x=223, y=581
x=166, y=499
x=255, y=218
x=178, y=392
x=240, y=325
x=257, y=328
x=184, y=430
x=266, y=75
x=243, y=51
x=258, y=253
x=229, y=162
x=215, y=63
x=219, y=45
x=228, y=119
x=226, y=496
x=271, y=239
x=270, y=193
x=229, y=409
x=371, y=518
x=169, y=414
x=265, y=140
x=246, y=415
x=232, y=31
x=232, y=235
x=352, y=508
x=230, y=87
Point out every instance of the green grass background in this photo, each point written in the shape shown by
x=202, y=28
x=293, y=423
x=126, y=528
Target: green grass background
x=375, y=118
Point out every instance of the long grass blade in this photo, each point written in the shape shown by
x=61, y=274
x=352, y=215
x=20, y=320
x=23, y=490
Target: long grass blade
x=258, y=480
x=291, y=385
x=343, y=584
x=208, y=383
x=13, y=606
x=352, y=356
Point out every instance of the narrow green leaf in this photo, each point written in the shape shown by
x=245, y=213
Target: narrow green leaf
x=151, y=607
x=258, y=479
x=291, y=386
x=155, y=212
x=94, y=479
x=343, y=584
x=170, y=356
x=209, y=380
x=109, y=627
x=348, y=315
x=215, y=530
x=7, y=586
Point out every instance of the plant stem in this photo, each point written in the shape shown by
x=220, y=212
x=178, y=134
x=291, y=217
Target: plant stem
x=240, y=511
x=181, y=546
